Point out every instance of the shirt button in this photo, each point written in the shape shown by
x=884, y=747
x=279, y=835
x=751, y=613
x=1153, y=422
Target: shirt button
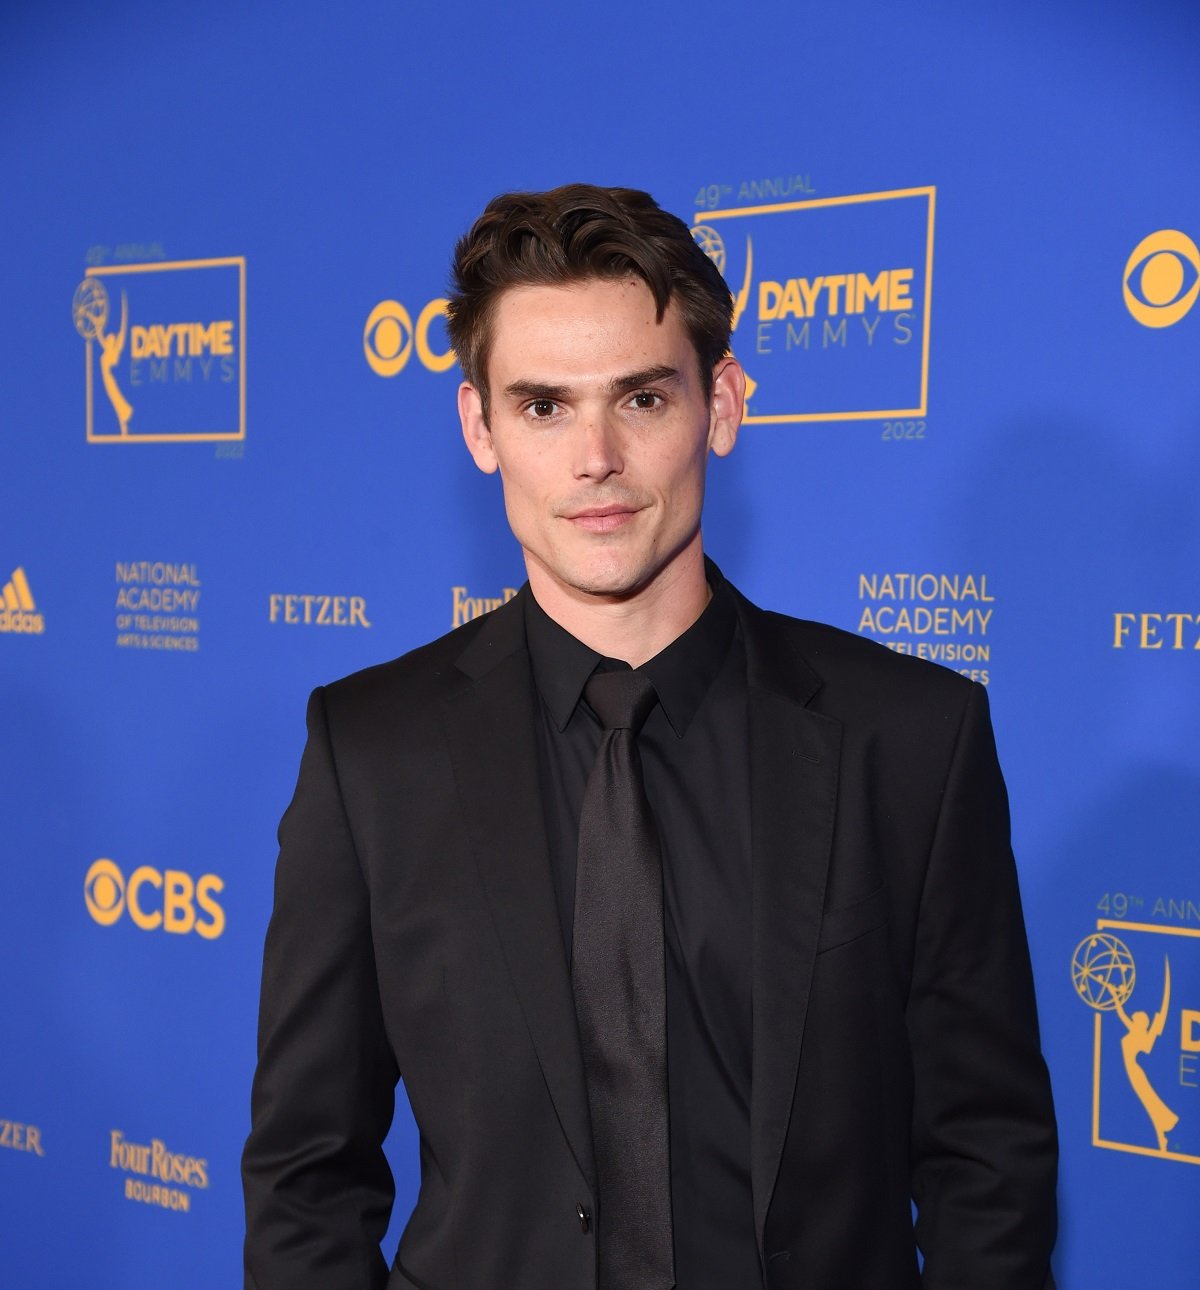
x=585, y=1219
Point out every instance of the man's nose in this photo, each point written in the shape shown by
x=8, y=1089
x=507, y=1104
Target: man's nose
x=598, y=447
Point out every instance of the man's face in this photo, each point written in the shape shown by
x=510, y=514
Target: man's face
x=600, y=431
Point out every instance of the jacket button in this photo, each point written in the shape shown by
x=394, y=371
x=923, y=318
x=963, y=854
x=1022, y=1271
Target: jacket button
x=585, y=1219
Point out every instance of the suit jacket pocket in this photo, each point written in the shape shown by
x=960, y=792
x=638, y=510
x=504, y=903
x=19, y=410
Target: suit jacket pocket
x=847, y=923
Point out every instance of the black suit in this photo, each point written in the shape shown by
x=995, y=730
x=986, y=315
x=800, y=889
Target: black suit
x=895, y=1050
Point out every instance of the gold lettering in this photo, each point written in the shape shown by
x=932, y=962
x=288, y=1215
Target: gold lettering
x=1189, y=1028
x=465, y=607
x=792, y=305
x=899, y=288
x=770, y=295
x=181, y=340
x=1178, y=620
x=890, y=290
x=222, y=342
x=310, y=609
x=833, y=285
x=208, y=886
x=809, y=291
x=178, y=915
x=143, y=874
x=153, y=1194
x=867, y=289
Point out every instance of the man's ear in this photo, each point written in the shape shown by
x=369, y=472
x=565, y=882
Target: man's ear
x=725, y=405
x=475, y=429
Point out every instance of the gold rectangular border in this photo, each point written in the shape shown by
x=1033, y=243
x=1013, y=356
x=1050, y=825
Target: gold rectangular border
x=213, y=436
x=853, y=200
x=1097, y=1140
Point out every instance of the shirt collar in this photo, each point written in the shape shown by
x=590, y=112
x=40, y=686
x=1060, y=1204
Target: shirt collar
x=682, y=672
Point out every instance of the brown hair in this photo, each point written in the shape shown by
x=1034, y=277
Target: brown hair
x=569, y=235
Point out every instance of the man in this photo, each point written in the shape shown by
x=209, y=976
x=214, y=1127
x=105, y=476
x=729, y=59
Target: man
x=703, y=973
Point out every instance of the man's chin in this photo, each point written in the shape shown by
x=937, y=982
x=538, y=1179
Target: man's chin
x=606, y=581
x=608, y=586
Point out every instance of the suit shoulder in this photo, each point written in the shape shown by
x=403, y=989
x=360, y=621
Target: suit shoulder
x=422, y=675
x=866, y=675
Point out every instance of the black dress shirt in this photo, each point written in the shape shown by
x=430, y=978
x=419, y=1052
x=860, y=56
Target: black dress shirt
x=695, y=758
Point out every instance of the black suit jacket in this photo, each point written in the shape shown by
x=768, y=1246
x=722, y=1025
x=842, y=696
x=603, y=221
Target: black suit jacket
x=895, y=1046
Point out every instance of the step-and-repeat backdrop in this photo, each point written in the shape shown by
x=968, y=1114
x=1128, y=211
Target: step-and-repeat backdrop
x=963, y=244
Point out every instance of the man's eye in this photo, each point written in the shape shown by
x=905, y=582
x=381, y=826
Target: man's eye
x=646, y=399
x=541, y=408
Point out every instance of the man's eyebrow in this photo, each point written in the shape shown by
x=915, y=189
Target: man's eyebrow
x=536, y=390
x=659, y=375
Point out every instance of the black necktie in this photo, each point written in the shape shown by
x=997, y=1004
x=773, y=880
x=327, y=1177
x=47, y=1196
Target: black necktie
x=620, y=994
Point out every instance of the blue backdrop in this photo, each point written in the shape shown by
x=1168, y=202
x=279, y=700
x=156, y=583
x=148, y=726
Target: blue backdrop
x=963, y=243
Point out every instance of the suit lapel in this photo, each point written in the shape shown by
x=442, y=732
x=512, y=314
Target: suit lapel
x=793, y=789
x=493, y=744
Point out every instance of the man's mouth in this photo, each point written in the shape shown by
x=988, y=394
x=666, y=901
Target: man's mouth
x=602, y=519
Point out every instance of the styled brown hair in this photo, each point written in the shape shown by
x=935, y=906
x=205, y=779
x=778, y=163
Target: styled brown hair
x=569, y=235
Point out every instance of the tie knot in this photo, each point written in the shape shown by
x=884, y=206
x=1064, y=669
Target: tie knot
x=622, y=700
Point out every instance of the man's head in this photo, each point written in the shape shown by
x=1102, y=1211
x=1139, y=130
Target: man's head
x=593, y=334
x=571, y=235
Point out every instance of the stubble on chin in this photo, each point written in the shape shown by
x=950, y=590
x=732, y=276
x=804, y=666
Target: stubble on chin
x=594, y=574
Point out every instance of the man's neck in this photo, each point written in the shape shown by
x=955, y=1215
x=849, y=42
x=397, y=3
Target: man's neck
x=633, y=628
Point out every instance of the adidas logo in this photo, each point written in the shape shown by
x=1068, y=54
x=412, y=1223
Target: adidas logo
x=18, y=613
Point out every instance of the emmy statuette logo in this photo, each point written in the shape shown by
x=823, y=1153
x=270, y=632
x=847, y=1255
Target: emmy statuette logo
x=1145, y=1079
x=90, y=311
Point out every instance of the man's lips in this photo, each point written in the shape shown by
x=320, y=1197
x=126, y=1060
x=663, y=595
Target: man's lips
x=602, y=519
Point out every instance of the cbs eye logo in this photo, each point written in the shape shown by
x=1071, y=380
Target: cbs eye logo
x=170, y=902
x=389, y=338
x=1162, y=278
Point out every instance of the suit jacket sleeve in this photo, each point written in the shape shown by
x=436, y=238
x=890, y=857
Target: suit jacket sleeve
x=984, y=1141
x=317, y=1186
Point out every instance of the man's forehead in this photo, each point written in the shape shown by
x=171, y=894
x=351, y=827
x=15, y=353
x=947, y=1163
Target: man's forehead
x=592, y=320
